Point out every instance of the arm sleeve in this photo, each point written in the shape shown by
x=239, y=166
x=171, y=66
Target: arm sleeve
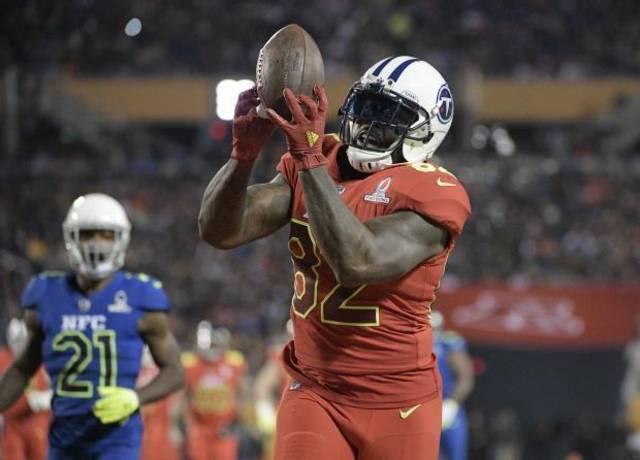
x=33, y=293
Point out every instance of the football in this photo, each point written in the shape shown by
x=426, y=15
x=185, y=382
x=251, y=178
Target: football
x=289, y=59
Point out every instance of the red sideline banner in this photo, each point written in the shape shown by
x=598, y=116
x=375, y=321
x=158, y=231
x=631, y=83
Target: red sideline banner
x=569, y=316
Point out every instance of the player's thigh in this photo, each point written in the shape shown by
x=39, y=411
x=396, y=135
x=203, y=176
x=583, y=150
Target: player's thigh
x=13, y=446
x=413, y=437
x=224, y=449
x=199, y=442
x=56, y=453
x=306, y=431
x=37, y=443
x=120, y=452
x=86, y=451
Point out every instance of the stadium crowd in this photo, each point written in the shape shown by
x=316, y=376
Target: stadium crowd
x=532, y=38
x=546, y=216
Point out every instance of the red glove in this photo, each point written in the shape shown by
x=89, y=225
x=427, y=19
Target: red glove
x=304, y=134
x=250, y=132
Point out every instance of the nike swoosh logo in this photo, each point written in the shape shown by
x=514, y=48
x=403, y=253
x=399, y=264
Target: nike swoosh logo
x=442, y=183
x=406, y=413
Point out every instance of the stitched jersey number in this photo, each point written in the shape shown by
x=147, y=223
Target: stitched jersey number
x=69, y=384
x=334, y=306
x=428, y=167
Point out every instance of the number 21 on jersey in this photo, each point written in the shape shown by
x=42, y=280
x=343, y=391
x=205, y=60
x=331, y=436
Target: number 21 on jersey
x=69, y=384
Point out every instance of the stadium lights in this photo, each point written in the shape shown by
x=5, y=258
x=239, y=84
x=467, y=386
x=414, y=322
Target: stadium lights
x=133, y=27
x=227, y=92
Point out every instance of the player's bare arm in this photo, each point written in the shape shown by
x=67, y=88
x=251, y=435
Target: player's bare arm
x=379, y=250
x=462, y=367
x=382, y=249
x=17, y=377
x=154, y=328
x=233, y=214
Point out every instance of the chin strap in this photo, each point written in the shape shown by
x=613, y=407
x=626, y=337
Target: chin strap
x=367, y=161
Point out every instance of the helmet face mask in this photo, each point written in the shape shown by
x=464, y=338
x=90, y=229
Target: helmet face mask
x=96, y=234
x=398, y=112
x=379, y=120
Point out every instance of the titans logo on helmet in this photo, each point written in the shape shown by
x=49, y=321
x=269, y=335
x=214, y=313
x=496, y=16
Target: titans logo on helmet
x=445, y=112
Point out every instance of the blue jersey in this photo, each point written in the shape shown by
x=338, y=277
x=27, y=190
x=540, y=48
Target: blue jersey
x=444, y=344
x=91, y=340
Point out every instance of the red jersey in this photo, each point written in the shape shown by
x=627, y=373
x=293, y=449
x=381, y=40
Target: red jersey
x=370, y=346
x=212, y=388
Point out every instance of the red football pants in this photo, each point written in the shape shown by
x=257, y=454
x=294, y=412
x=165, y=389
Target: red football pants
x=205, y=444
x=157, y=443
x=310, y=427
x=25, y=440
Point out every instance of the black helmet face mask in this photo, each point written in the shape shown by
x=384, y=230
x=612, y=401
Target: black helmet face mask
x=375, y=120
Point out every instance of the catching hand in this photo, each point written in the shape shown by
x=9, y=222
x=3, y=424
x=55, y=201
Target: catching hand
x=115, y=404
x=250, y=132
x=305, y=132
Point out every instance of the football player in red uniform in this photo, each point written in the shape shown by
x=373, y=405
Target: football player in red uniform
x=161, y=436
x=26, y=423
x=372, y=223
x=214, y=386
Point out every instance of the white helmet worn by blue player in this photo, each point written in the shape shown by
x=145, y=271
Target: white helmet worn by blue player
x=96, y=259
x=399, y=111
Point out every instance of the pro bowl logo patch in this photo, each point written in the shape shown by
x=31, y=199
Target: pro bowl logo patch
x=444, y=101
x=380, y=193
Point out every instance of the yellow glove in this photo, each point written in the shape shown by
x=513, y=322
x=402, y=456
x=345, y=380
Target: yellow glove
x=115, y=404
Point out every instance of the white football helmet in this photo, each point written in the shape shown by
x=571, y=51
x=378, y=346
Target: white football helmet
x=399, y=111
x=96, y=259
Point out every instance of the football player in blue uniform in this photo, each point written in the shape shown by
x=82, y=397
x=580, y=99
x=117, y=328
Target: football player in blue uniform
x=456, y=370
x=89, y=327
